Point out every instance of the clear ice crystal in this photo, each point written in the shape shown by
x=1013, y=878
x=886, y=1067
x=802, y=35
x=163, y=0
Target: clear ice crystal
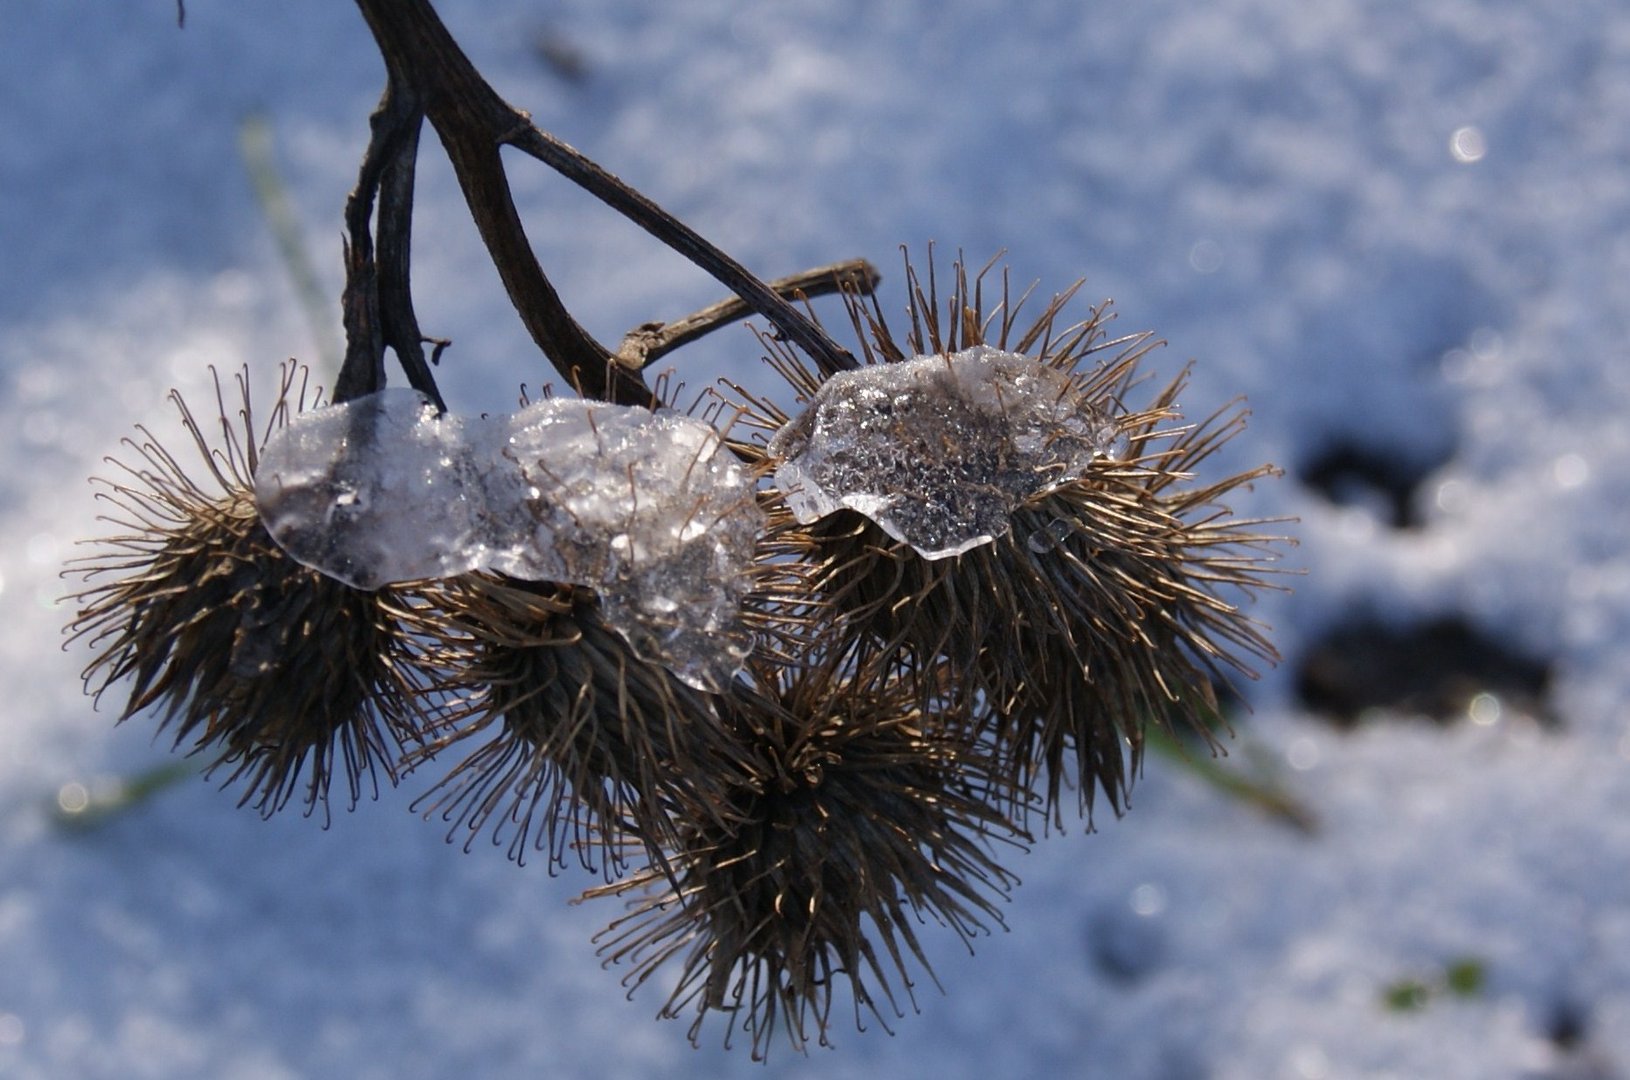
x=939, y=451
x=647, y=509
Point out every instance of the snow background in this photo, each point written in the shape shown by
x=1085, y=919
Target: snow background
x=1404, y=225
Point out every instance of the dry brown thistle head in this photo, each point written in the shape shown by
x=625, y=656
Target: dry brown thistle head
x=1107, y=601
x=289, y=677
x=588, y=748
x=862, y=818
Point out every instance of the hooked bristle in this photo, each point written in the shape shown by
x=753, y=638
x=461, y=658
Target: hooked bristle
x=1107, y=598
x=288, y=677
x=588, y=749
x=862, y=819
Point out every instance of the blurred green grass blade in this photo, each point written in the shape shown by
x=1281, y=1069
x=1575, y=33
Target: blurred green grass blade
x=78, y=807
x=256, y=146
x=1262, y=792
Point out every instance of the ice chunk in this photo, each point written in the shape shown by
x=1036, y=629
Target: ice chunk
x=646, y=509
x=373, y=491
x=939, y=450
x=649, y=510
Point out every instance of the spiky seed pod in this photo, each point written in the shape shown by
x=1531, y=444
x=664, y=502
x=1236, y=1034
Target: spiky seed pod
x=289, y=677
x=863, y=817
x=1105, y=603
x=588, y=748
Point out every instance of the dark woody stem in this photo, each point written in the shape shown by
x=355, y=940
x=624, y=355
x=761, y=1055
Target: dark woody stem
x=646, y=344
x=378, y=303
x=429, y=77
x=797, y=327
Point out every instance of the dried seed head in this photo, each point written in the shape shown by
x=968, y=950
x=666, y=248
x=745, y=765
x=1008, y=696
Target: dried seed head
x=588, y=748
x=862, y=818
x=1106, y=601
x=247, y=654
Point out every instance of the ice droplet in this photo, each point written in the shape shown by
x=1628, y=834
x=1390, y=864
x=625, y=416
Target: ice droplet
x=939, y=450
x=646, y=509
x=1050, y=536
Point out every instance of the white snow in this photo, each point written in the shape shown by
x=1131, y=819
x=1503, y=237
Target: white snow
x=649, y=510
x=1286, y=192
x=939, y=450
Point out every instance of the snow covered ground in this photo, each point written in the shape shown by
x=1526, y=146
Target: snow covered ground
x=1396, y=227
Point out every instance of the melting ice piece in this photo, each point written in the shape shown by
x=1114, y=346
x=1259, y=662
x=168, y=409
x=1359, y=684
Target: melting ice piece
x=650, y=511
x=372, y=491
x=939, y=450
x=646, y=509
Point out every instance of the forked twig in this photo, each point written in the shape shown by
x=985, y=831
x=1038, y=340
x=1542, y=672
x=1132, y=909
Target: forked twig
x=649, y=342
x=429, y=77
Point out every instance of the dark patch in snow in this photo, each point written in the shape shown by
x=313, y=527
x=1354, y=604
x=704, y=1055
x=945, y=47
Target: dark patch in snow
x=1125, y=946
x=562, y=56
x=1349, y=474
x=1444, y=669
x=1568, y=1025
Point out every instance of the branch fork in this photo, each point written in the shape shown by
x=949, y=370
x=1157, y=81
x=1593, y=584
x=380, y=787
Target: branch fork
x=429, y=78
